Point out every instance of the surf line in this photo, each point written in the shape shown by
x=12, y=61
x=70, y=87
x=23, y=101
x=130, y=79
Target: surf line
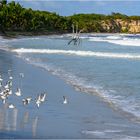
x=79, y=53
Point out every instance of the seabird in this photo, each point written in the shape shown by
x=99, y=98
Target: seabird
x=38, y=101
x=42, y=97
x=10, y=92
x=1, y=78
x=3, y=97
x=10, y=77
x=0, y=84
x=9, y=84
x=1, y=93
x=6, y=86
x=18, y=92
x=26, y=101
x=11, y=106
x=21, y=75
x=65, y=101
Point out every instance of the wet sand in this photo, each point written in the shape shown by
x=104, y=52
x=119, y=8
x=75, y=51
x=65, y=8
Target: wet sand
x=85, y=115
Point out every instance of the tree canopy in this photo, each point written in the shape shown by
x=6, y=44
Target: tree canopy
x=14, y=17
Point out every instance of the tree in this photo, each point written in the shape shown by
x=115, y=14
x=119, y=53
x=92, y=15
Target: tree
x=3, y=2
x=13, y=17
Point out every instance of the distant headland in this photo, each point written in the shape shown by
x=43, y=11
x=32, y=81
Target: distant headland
x=15, y=19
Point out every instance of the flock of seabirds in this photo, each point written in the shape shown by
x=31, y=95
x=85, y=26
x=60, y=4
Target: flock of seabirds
x=6, y=89
x=6, y=92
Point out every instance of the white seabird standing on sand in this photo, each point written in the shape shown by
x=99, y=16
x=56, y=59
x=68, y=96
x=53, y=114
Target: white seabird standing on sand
x=26, y=101
x=10, y=92
x=42, y=97
x=18, y=92
x=10, y=77
x=10, y=83
x=21, y=75
x=3, y=97
x=10, y=74
x=65, y=101
x=6, y=86
x=0, y=84
x=38, y=101
x=11, y=106
x=1, y=78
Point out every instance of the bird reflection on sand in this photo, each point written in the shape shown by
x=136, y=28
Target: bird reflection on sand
x=34, y=126
x=2, y=118
x=25, y=120
x=26, y=117
x=14, y=124
x=8, y=119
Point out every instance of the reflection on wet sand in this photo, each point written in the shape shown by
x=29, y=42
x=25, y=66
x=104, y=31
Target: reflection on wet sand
x=8, y=119
x=2, y=118
x=34, y=126
x=25, y=120
x=7, y=122
x=14, y=118
x=26, y=117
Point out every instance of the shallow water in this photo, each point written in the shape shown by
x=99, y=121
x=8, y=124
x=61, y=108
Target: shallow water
x=103, y=65
x=108, y=64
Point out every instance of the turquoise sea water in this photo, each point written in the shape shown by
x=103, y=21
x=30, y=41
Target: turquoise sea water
x=105, y=65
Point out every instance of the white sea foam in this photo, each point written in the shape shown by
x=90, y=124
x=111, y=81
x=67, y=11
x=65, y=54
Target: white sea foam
x=79, y=53
x=110, y=134
x=114, y=37
x=116, y=101
x=80, y=84
x=103, y=132
x=126, y=42
x=118, y=40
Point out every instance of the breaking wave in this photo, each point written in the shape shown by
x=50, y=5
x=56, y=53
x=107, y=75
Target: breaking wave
x=128, y=106
x=80, y=53
x=125, y=41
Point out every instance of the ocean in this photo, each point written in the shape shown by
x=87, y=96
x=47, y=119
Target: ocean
x=103, y=64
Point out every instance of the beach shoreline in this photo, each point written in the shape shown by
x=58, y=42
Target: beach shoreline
x=10, y=34
x=85, y=116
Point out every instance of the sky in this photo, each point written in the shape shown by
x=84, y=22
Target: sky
x=70, y=7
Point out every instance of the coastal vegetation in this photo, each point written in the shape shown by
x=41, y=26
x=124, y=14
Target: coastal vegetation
x=16, y=18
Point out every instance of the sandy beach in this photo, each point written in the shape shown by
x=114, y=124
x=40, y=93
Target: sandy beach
x=85, y=115
x=69, y=69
